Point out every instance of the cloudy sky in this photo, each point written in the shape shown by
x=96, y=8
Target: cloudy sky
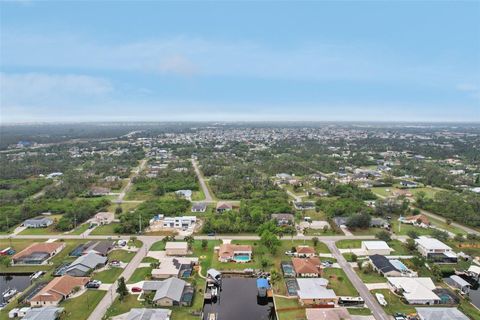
x=145, y=60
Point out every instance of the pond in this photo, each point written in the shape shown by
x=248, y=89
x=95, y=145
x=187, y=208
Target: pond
x=18, y=281
x=237, y=300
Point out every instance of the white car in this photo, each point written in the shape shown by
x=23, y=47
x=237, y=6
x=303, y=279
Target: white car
x=290, y=253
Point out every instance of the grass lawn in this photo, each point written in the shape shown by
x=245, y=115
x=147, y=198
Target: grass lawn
x=140, y=274
x=149, y=260
x=339, y=282
x=405, y=228
x=80, y=229
x=120, y=307
x=80, y=308
x=106, y=229
x=371, y=277
x=121, y=255
x=469, y=309
x=40, y=231
x=394, y=304
x=158, y=246
x=359, y=311
x=198, y=195
x=348, y=244
x=282, y=303
x=108, y=276
x=126, y=206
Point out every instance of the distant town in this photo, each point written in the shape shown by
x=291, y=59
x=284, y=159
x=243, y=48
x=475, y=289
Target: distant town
x=240, y=221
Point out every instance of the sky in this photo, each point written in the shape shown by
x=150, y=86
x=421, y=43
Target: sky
x=238, y=61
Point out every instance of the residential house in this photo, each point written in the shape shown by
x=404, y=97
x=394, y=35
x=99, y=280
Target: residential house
x=174, y=267
x=304, y=205
x=99, y=191
x=38, y=222
x=223, y=206
x=408, y=184
x=435, y=250
x=327, y=314
x=234, y=252
x=47, y=313
x=304, y=251
x=307, y=268
x=420, y=220
x=415, y=290
x=390, y=268
x=459, y=283
x=102, y=218
x=435, y=313
x=379, y=223
x=168, y=292
x=147, y=314
x=184, y=222
x=176, y=248
x=83, y=265
x=283, y=219
x=57, y=290
x=376, y=247
x=199, y=207
x=38, y=253
x=102, y=247
x=313, y=291
x=186, y=194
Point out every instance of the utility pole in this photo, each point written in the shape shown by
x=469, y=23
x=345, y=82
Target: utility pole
x=140, y=223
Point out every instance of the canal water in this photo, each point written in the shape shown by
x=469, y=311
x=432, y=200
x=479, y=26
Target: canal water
x=238, y=301
x=13, y=281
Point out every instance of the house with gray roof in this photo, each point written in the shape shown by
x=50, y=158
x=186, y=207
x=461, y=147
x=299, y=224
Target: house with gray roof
x=199, y=207
x=432, y=313
x=170, y=292
x=147, y=314
x=46, y=313
x=83, y=265
x=100, y=247
x=38, y=222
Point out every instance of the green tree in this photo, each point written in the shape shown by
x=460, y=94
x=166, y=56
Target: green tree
x=383, y=235
x=204, y=244
x=315, y=241
x=270, y=241
x=190, y=240
x=122, y=289
x=412, y=234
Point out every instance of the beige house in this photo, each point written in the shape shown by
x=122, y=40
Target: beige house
x=176, y=248
x=57, y=290
x=102, y=218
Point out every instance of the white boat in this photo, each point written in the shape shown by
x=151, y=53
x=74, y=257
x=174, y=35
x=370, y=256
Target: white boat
x=381, y=299
x=36, y=275
x=9, y=294
x=212, y=316
x=214, y=292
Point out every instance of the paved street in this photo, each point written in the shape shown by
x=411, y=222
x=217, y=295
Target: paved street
x=108, y=299
x=370, y=301
x=203, y=184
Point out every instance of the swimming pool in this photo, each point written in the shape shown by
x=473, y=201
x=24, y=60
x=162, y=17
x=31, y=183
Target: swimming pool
x=241, y=258
x=398, y=265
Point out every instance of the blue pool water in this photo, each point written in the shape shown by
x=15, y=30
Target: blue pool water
x=242, y=258
x=399, y=265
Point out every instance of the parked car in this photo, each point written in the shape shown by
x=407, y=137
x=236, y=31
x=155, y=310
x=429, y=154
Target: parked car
x=136, y=289
x=115, y=263
x=211, y=234
x=290, y=253
x=94, y=284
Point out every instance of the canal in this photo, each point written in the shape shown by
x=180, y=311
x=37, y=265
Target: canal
x=19, y=281
x=238, y=301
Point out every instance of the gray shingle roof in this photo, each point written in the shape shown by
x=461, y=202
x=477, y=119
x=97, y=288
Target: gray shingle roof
x=148, y=314
x=47, y=313
x=171, y=288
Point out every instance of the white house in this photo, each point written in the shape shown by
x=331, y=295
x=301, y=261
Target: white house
x=376, y=247
x=184, y=222
x=313, y=291
x=435, y=250
x=187, y=194
x=415, y=290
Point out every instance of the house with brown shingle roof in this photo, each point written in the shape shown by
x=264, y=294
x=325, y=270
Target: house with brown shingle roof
x=307, y=268
x=234, y=252
x=57, y=290
x=305, y=251
x=38, y=253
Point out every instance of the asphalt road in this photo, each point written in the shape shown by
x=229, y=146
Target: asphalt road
x=370, y=301
x=203, y=184
x=111, y=295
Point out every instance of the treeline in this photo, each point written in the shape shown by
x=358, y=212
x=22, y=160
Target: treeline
x=82, y=210
x=130, y=221
x=252, y=213
x=14, y=191
x=460, y=207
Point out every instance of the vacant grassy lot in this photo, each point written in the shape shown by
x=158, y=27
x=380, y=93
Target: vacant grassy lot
x=370, y=277
x=140, y=274
x=282, y=303
x=339, y=282
x=105, y=230
x=121, y=255
x=108, y=276
x=80, y=229
x=394, y=304
x=80, y=308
